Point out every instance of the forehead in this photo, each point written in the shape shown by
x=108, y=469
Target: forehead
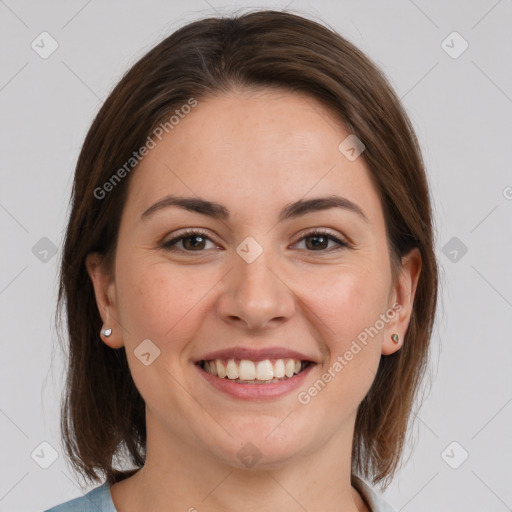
x=273, y=145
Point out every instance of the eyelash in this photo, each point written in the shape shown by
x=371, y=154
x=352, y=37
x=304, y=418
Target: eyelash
x=171, y=244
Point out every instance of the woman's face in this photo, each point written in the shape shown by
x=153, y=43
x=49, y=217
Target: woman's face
x=252, y=284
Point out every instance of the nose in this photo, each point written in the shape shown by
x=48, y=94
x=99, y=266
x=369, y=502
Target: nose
x=255, y=296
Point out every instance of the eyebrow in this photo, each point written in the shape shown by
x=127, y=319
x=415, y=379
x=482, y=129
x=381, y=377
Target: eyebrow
x=219, y=211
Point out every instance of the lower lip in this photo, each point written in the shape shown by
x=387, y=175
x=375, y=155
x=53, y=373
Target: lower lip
x=256, y=391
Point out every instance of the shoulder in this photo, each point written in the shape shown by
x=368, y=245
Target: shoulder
x=98, y=499
x=374, y=500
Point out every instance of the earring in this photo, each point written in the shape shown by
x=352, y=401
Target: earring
x=106, y=332
x=395, y=338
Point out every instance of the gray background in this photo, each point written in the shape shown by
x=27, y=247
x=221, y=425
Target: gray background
x=462, y=111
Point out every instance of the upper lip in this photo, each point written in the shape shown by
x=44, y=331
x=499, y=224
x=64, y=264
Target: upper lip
x=255, y=354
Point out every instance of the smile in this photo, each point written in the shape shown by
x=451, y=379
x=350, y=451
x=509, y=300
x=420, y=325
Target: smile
x=245, y=371
x=249, y=380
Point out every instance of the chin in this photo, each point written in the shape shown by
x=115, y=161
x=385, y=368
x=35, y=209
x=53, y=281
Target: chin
x=262, y=445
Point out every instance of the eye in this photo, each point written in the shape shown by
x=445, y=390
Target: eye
x=196, y=241
x=191, y=241
x=318, y=241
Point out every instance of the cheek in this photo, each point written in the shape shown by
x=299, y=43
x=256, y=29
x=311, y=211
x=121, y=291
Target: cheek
x=347, y=300
x=347, y=303
x=159, y=301
x=346, y=307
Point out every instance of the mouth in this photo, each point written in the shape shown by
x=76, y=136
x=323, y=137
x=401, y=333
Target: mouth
x=254, y=374
x=247, y=371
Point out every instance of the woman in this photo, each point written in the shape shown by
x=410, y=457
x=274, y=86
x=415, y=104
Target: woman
x=248, y=275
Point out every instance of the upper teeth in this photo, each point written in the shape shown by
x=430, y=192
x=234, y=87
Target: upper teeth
x=250, y=370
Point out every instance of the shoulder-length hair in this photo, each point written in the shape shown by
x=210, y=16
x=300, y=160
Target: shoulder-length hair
x=103, y=414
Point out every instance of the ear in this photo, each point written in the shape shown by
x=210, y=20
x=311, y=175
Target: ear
x=104, y=290
x=402, y=301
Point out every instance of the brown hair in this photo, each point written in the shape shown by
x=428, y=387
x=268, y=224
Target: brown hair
x=103, y=414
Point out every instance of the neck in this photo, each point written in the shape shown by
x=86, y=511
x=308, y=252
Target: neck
x=183, y=477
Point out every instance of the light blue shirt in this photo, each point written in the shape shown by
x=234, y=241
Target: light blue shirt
x=99, y=499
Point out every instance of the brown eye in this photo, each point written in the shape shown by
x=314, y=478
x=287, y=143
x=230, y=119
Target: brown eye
x=318, y=241
x=193, y=241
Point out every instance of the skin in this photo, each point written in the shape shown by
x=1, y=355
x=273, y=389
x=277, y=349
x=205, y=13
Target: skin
x=254, y=152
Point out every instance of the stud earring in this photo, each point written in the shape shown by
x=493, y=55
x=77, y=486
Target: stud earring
x=395, y=338
x=106, y=332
